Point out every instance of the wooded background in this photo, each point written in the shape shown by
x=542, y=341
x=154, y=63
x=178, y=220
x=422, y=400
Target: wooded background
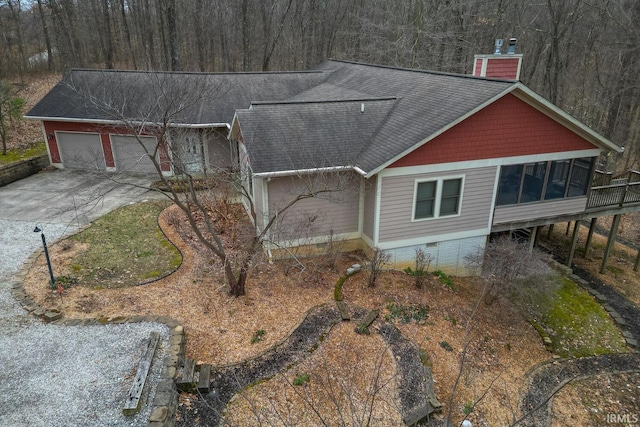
x=582, y=55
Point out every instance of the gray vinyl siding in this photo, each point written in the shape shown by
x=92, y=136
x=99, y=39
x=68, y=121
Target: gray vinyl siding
x=369, y=207
x=397, y=204
x=331, y=213
x=530, y=211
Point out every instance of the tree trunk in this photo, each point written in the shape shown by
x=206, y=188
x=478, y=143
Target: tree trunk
x=173, y=35
x=47, y=39
x=237, y=285
x=127, y=35
x=15, y=13
x=108, y=42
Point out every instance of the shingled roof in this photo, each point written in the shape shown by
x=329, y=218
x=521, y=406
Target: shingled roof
x=293, y=136
x=181, y=98
x=340, y=114
x=423, y=104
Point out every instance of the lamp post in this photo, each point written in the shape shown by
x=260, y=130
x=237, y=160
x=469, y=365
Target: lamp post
x=46, y=254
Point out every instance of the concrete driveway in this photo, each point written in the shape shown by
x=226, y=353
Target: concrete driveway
x=54, y=375
x=70, y=197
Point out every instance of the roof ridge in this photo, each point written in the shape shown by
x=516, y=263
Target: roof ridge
x=422, y=71
x=324, y=101
x=200, y=73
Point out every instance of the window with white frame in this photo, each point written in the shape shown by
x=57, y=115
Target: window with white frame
x=437, y=198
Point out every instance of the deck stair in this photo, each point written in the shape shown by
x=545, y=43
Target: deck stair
x=192, y=376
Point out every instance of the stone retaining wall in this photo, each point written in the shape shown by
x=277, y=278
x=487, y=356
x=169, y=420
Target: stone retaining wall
x=22, y=169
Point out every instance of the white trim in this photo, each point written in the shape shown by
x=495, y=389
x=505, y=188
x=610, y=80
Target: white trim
x=474, y=164
x=204, y=140
x=519, y=67
x=120, y=122
x=424, y=240
x=361, y=206
x=376, y=219
x=494, y=197
x=46, y=143
x=265, y=209
x=316, y=240
x=304, y=171
x=360, y=171
x=441, y=131
x=438, y=197
x=367, y=241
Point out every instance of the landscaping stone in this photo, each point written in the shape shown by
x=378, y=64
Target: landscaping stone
x=354, y=269
x=159, y=414
x=344, y=311
x=51, y=316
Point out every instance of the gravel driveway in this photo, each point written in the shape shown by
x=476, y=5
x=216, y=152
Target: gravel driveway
x=63, y=375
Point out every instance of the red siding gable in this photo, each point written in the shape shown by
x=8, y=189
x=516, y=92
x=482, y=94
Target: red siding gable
x=508, y=127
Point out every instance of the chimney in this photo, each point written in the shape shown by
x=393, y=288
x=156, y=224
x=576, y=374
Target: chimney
x=498, y=47
x=498, y=66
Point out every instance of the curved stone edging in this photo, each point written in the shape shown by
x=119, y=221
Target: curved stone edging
x=230, y=379
x=547, y=378
x=416, y=383
x=415, y=380
x=165, y=402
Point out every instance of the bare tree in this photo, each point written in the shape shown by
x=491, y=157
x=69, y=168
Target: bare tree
x=174, y=98
x=512, y=269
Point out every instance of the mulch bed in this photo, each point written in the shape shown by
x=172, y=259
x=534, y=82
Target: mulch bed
x=230, y=380
x=550, y=378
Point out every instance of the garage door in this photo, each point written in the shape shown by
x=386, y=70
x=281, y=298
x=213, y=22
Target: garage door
x=81, y=150
x=130, y=156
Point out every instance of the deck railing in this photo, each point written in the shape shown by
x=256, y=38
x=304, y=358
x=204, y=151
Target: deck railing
x=621, y=190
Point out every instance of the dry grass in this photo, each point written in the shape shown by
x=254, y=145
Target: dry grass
x=220, y=328
x=25, y=133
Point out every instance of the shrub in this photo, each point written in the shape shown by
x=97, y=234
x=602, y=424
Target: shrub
x=446, y=345
x=407, y=313
x=379, y=258
x=444, y=279
x=301, y=380
x=257, y=336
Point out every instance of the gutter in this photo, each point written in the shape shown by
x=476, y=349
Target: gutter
x=309, y=171
x=120, y=122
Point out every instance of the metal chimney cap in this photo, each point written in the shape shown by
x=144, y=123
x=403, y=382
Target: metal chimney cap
x=512, y=46
x=498, y=47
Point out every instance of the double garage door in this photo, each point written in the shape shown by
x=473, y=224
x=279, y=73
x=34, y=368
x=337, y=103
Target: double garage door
x=84, y=151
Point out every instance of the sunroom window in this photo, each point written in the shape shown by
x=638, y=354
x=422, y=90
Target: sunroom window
x=551, y=180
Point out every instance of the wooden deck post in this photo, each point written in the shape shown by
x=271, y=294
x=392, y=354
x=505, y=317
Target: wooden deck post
x=610, y=242
x=532, y=238
x=574, y=241
x=635, y=266
x=568, y=228
x=550, y=231
x=592, y=227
